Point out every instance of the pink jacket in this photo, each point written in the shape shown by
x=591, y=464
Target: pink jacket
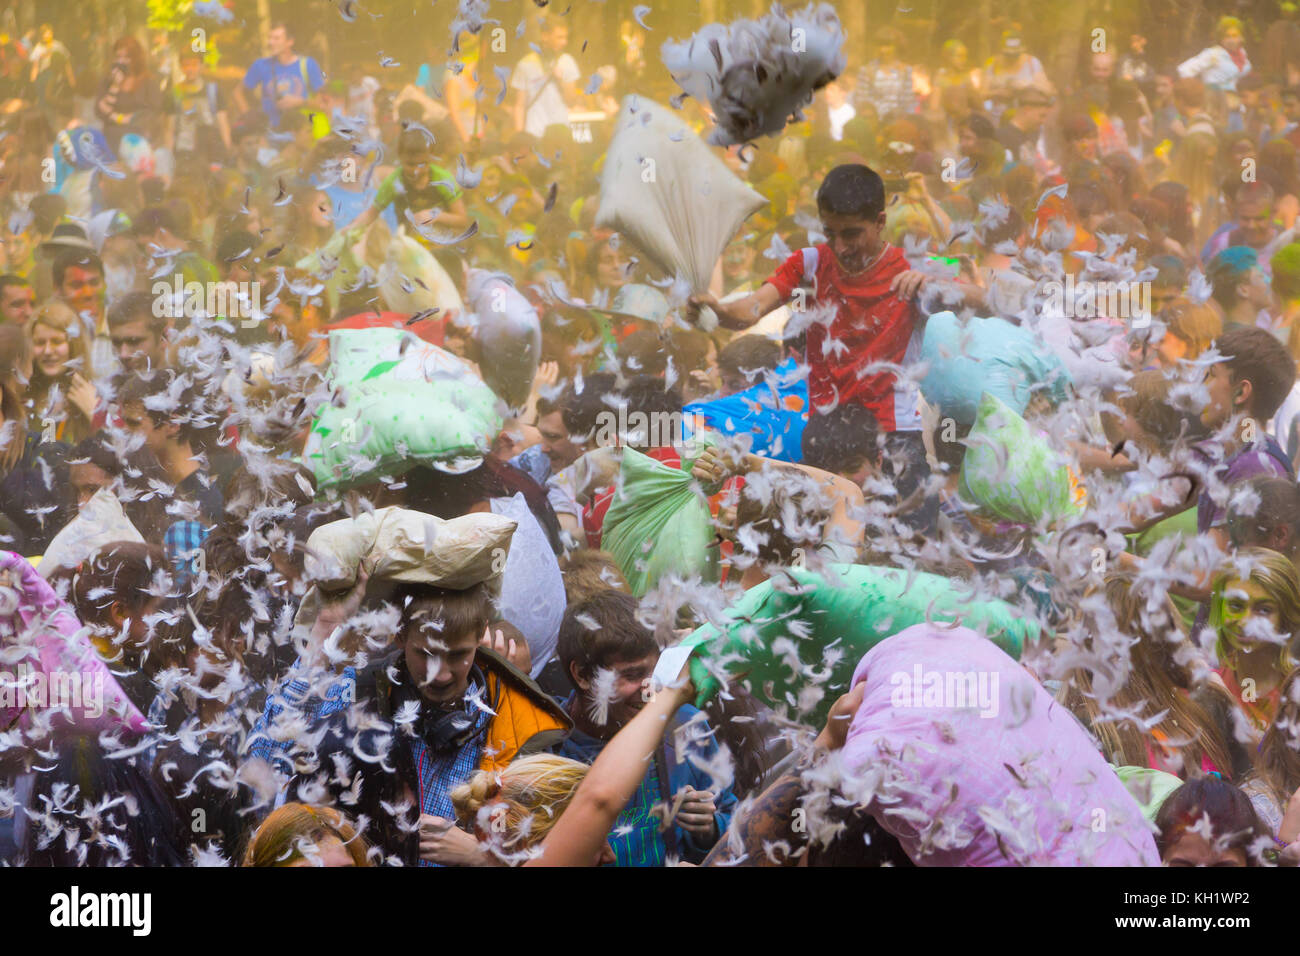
x=973, y=763
x=50, y=676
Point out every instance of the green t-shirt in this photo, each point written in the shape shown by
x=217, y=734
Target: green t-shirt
x=440, y=191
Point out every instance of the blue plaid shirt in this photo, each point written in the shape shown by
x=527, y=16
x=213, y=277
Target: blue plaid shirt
x=436, y=774
x=338, y=695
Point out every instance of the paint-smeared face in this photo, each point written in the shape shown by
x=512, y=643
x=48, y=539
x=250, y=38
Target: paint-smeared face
x=1250, y=613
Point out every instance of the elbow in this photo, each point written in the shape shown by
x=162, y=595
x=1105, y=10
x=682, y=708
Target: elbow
x=601, y=801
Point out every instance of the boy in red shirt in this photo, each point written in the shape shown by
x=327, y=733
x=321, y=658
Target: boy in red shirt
x=872, y=288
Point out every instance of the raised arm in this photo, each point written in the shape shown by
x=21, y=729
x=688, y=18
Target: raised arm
x=740, y=313
x=583, y=828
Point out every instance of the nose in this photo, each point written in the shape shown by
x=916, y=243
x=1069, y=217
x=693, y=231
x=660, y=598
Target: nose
x=443, y=675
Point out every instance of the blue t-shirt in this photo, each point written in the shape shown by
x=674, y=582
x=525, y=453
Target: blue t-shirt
x=282, y=79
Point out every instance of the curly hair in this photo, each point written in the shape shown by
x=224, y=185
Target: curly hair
x=513, y=809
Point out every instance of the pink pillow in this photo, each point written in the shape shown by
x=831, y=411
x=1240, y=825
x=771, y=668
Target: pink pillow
x=50, y=676
x=973, y=749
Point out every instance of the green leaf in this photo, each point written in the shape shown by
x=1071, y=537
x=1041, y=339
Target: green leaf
x=378, y=370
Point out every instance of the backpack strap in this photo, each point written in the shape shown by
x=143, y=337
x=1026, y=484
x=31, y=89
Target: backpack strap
x=665, y=794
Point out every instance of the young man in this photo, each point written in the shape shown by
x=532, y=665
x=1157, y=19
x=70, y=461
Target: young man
x=1239, y=287
x=567, y=425
x=433, y=711
x=418, y=188
x=170, y=436
x=1246, y=388
x=546, y=83
x=1022, y=130
x=286, y=80
x=200, y=128
x=138, y=332
x=17, y=300
x=608, y=654
x=1252, y=225
x=1273, y=523
x=871, y=287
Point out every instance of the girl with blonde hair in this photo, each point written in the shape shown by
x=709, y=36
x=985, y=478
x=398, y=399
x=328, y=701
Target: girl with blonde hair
x=1194, y=166
x=521, y=803
x=1256, y=618
x=60, y=393
x=1156, y=679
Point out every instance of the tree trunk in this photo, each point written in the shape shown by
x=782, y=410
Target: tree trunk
x=1063, y=68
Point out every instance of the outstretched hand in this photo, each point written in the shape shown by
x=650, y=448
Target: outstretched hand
x=836, y=731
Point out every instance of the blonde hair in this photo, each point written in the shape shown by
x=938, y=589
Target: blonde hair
x=588, y=573
x=1193, y=164
x=1225, y=24
x=58, y=316
x=513, y=809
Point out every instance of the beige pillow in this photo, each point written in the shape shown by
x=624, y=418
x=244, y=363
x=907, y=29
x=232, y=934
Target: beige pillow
x=402, y=545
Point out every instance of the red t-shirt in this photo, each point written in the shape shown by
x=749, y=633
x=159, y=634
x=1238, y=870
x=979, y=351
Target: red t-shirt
x=871, y=324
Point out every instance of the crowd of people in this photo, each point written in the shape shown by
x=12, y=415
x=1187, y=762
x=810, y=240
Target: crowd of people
x=999, y=381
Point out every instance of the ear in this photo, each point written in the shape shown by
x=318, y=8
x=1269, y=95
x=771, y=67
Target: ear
x=579, y=681
x=1242, y=393
x=1279, y=539
x=117, y=612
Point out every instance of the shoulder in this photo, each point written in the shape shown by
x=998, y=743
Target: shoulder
x=892, y=262
x=520, y=685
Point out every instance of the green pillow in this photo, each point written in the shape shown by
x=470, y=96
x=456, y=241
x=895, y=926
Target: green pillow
x=658, y=523
x=796, y=652
x=1010, y=471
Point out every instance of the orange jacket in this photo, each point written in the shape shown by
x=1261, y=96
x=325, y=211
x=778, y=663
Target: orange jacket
x=527, y=720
